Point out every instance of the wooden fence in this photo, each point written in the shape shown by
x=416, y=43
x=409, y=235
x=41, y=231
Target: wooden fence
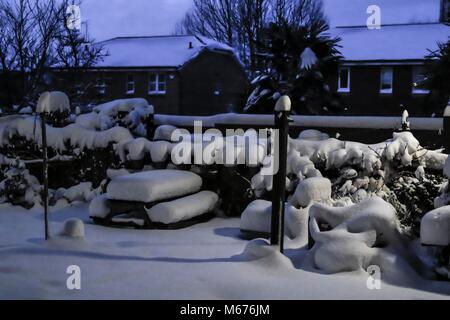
x=433, y=133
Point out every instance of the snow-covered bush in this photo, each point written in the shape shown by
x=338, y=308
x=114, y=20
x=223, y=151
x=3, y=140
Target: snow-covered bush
x=19, y=187
x=358, y=236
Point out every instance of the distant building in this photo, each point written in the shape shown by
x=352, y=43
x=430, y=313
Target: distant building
x=383, y=69
x=177, y=74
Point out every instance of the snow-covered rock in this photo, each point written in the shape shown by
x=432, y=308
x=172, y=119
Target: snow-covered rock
x=73, y=228
x=435, y=227
x=99, y=207
x=257, y=218
x=184, y=208
x=53, y=101
x=312, y=190
x=164, y=132
x=151, y=186
x=447, y=168
x=80, y=192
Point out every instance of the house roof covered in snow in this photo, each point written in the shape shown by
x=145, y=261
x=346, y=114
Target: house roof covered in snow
x=391, y=43
x=354, y=12
x=157, y=51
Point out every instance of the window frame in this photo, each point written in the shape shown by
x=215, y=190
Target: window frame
x=391, y=89
x=416, y=91
x=157, y=83
x=101, y=85
x=128, y=83
x=348, y=88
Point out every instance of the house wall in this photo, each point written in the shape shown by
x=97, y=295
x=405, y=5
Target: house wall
x=213, y=83
x=365, y=97
x=116, y=88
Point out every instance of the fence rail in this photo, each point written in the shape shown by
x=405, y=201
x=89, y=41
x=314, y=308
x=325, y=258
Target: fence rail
x=388, y=123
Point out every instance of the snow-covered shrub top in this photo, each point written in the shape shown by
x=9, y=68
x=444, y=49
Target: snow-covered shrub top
x=50, y=102
x=106, y=115
x=73, y=135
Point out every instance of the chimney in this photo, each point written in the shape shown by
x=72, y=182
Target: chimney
x=191, y=46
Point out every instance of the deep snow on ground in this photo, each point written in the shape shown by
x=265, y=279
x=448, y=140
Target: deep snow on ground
x=205, y=261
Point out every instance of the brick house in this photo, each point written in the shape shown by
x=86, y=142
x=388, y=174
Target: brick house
x=177, y=74
x=382, y=69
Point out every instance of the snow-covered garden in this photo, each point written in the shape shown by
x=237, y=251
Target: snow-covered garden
x=140, y=223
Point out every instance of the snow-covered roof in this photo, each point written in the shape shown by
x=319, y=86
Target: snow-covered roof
x=157, y=51
x=397, y=43
x=354, y=12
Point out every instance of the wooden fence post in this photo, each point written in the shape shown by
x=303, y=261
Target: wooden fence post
x=282, y=110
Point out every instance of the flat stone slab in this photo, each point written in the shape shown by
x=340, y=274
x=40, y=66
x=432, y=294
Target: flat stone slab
x=153, y=186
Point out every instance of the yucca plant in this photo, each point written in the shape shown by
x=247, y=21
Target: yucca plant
x=297, y=59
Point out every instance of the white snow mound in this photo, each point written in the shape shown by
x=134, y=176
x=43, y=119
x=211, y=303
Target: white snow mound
x=313, y=190
x=99, y=208
x=435, y=227
x=184, y=208
x=73, y=228
x=151, y=186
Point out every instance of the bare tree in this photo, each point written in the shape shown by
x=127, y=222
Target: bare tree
x=34, y=38
x=241, y=23
x=215, y=19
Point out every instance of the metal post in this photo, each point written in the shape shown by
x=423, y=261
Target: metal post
x=446, y=129
x=45, y=171
x=282, y=110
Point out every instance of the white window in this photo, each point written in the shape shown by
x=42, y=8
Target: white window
x=130, y=84
x=157, y=84
x=386, y=80
x=344, y=80
x=101, y=86
x=419, y=80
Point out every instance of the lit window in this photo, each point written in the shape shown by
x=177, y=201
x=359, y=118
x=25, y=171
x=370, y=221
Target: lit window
x=157, y=84
x=344, y=80
x=130, y=84
x=101, y=86
x=419, y=80
x=386, y=80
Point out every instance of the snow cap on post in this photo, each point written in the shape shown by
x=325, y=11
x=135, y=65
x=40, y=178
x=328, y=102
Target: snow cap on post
x=447, y=110
x=50, y=102
x=283, y=104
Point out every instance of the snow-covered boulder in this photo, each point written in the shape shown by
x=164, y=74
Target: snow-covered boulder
x=184, y=208
x=156, y=185
x=164, y=132
x=99, y=207
x=73, y=228
x=257, y=216
x=435, y=227
x=312, y=190
x=53, y=101
x=447, y=168
x=80, y=192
